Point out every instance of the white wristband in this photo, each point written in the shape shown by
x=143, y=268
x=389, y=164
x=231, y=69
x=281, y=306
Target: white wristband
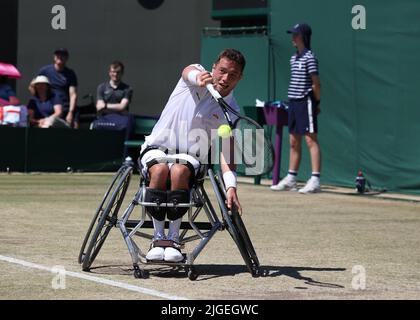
x=229, y=178
x=192, y=76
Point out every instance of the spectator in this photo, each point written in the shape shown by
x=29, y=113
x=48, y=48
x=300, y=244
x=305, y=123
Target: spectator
x=63, y=82
x=7, y=94
x=113, y=100
x=44, y=108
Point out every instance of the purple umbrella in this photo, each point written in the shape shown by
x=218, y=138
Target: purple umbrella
x=9, y=70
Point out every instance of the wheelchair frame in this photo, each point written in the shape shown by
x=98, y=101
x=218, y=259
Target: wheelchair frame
x=106, y=217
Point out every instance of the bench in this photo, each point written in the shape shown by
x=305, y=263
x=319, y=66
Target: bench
x=143, y=126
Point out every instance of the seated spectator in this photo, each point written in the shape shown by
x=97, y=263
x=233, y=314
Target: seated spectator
x=44, y=108
x=113, y=99
x=63, y=81
x=7, y=94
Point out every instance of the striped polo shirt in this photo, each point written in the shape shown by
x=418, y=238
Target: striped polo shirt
x=302, y=66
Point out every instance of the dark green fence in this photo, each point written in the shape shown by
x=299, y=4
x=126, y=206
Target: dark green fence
x=57, y=150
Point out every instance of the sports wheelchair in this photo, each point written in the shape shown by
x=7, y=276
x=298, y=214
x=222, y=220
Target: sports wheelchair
x=106, y=218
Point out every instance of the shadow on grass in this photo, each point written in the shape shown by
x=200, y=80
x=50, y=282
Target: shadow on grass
x=211, y=271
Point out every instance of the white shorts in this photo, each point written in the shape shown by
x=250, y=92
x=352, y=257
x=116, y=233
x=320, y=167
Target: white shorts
x=157, y=153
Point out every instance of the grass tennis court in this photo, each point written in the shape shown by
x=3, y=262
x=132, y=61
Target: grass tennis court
x=308, y=246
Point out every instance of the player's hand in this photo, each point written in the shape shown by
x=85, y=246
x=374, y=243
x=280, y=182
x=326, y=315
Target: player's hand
x=232, y=199
x=317, y=110
x=204, y=78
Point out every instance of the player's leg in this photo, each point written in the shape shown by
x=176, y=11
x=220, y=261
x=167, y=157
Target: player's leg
x=180, y=175
x=157, y=174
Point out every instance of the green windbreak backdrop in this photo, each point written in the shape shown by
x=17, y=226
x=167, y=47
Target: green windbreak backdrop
x=370, y=83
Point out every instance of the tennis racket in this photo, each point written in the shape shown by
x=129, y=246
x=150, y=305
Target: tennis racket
x=252, y=145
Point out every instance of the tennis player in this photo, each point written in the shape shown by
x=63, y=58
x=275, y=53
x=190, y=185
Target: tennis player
x=190, y=107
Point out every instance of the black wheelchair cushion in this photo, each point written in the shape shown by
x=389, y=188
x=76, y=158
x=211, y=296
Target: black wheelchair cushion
x=175, y=197
x=156, y=196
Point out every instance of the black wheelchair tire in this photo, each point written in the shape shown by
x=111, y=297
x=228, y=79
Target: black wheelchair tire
x=106, y=212
x=237, y=231
x=253, y=262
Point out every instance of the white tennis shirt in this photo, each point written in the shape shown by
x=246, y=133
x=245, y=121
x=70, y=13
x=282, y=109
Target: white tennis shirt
x=189, y=120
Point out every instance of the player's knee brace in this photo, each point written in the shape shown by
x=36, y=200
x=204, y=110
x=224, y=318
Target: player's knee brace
x=175, y=197
x=156, y=196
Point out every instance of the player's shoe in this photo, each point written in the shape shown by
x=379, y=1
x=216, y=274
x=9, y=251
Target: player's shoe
x=285, y=184
x=312, y=186
x=173, y=255
x=155, y=254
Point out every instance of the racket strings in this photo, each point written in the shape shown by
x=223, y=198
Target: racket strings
x=253, y=149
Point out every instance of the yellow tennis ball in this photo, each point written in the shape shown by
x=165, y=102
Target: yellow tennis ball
x=224, y=131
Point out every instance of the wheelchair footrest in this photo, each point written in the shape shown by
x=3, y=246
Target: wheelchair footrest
x=130, y=224
x=163, y=262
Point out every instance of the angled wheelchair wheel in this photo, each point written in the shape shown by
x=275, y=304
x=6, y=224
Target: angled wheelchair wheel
x=237, y=231
x=253, y=262
x=238, y=222
x=105, y=217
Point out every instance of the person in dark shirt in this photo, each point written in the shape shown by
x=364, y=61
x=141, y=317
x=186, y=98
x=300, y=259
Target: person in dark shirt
x=113, y=100
x=63, y=82
x=44, y=108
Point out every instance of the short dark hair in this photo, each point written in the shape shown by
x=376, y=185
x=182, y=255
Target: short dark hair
x=117, y=64
x=233, y=55
x=62, y=52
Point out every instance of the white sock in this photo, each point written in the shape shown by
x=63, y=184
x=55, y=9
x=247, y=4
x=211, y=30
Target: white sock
x=159, y=227
x=314, y=180
x=316, y=176
x=173, y=233
x=292, y=176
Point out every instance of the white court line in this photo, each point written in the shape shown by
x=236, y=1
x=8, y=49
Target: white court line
x=112, y=283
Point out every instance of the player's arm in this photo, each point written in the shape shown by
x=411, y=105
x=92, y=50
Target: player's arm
x=229, y=177
x=195, y=76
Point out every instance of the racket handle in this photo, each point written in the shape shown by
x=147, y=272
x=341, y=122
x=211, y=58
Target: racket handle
x=216, y=95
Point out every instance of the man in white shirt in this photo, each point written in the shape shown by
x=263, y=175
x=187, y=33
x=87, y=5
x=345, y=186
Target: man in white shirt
x=184, y=132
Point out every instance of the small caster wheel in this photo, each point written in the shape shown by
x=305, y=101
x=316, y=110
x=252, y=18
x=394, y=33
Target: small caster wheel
x=192, y=274
x=140, y=273
x=255, y=272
